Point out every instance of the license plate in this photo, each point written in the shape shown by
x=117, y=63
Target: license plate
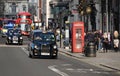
x=15, y=38
x=45, y=53
x=15, y=41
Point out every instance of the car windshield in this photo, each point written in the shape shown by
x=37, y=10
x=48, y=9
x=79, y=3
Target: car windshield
x=44, y=36
x=14, y=31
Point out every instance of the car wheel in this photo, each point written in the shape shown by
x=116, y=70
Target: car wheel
x=20, y=43
x=55, y=57
x=31, y=55
x=7, y=43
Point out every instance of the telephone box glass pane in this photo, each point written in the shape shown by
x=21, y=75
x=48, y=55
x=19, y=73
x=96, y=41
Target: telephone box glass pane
x=78, y=38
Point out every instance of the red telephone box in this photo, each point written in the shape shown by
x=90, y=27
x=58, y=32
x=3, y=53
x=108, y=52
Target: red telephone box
x=77, y=37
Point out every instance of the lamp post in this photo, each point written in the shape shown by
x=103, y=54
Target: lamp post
x=88, y=10
x=86, y=13
x=61, y=12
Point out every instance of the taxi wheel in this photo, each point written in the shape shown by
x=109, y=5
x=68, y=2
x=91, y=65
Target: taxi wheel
x=55, y=57
x=7, y=43
x=20, y=43
x=31, y=55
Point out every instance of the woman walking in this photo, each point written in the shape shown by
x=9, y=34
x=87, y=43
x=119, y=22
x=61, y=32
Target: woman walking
x=105, y=43
x=116, y=41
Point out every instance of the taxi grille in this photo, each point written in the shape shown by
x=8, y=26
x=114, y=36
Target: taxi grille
x=45, y=48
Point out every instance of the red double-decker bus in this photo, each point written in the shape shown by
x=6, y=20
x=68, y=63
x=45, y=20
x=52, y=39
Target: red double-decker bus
x=24, y=22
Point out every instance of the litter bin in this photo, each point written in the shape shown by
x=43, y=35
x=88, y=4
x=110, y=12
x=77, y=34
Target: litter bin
x=90, y=50
x=66, y=43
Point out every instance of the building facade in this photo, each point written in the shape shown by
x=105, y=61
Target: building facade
x=12, y=7
x=2, y=8
x=46, y=12
x=104, y=14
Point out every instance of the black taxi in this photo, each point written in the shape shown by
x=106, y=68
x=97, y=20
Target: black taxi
x=14, y=36
x=42, y=43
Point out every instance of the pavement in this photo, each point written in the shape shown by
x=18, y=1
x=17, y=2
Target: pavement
x=109, y=60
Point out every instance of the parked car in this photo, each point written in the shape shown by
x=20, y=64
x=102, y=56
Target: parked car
x=14, y=36
x=42, y=44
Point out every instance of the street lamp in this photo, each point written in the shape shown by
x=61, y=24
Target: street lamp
x=88, y=10
x=85, y=12
x=61, y=5
x=88, y=13
x=82, y=13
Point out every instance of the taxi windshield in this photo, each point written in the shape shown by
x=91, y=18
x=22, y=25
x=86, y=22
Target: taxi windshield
x=44, y=37
x=14, y=31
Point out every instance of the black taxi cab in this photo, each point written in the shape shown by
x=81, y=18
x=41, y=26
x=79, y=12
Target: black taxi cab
x=42, y=43
x=14, y=36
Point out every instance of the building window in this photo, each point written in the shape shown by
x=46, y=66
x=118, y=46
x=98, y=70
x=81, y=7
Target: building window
x=13, y=6
x=24, y=8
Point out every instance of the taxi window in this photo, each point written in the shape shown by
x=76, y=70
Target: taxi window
x=48, y=37
x=44, y=36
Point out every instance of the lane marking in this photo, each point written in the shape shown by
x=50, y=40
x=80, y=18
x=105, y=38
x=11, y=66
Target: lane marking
x=25, y=50
x=57, y=71
x=12, y=45
x=66, y=64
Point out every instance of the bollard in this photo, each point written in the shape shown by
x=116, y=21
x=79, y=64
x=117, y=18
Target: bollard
x=90, y=50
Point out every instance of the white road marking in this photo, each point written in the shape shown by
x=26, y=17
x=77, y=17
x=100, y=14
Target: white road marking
x=25, y=50
x=66, y=64
x=92, y=71
x=3, y=45
x=70, y=69
x=57, y=71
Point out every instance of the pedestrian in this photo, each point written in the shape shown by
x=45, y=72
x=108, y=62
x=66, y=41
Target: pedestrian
x=116, y=41
x=97, y=39
x=105, y=43
x=109, y=40
x=90, y=37
x=100, y=40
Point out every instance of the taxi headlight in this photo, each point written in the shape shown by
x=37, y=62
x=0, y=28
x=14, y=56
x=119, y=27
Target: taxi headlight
x=36, y=47
x=54, y=46
x=9, y=37
x=21, y=38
